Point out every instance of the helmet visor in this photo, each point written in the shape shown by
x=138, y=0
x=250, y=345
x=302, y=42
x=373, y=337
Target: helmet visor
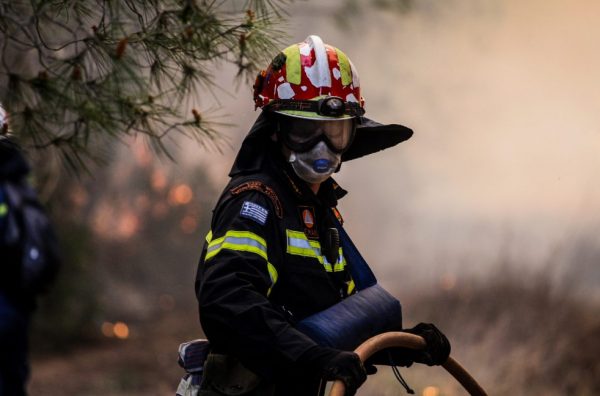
x=301, y=134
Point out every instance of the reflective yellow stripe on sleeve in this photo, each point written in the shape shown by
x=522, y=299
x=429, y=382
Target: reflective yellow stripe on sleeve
x=299, y=245
x=351, y=287
x=273, y=274
x=242, y=241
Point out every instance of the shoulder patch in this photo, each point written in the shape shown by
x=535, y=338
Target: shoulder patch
x=256, y=185
x=254, y=211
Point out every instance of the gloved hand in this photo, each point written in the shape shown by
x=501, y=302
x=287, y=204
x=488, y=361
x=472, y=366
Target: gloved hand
x=370, y=368
x=346, y=366
x=438, y=346
x=334, y=364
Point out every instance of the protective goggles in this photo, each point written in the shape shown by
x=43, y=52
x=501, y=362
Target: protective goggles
x=302, y=134
x=331, y=106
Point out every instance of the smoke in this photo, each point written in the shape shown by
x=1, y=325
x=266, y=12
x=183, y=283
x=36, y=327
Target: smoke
x=503, y=99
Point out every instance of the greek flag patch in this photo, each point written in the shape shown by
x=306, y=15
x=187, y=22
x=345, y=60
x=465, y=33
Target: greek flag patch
x=255, y=212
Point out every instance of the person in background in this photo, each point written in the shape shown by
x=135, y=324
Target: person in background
x=29, y=261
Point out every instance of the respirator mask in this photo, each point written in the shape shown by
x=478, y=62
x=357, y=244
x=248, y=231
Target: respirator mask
x=316, y=146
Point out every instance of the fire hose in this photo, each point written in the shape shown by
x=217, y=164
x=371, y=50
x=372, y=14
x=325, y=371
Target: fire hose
x=406, y=340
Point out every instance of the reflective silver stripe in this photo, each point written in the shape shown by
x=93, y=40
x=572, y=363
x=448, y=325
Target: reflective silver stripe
x=243, y=241
x=238, y=240
x=299, y=245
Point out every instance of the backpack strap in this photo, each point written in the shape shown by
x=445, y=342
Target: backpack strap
x=359, y=269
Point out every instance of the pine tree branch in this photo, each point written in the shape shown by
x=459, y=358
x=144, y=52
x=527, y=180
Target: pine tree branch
x=84, y=71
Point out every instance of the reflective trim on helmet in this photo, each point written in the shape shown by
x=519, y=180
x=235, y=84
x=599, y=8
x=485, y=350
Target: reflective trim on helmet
x=299, y=245
x=243, y=241
x=319, y=73
x=293, y=71
x=355, y=79
x=345, y=68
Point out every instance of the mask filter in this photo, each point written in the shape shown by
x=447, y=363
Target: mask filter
x=322, y=165
x=316, y=164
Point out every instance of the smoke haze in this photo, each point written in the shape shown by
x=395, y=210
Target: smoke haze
x=499, y=183
x=503, y=100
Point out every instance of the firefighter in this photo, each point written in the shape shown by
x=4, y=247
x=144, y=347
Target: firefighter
x=271, y=258
x=29, y=261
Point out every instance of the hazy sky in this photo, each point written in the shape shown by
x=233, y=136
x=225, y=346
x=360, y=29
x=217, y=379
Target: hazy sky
x=503, y=97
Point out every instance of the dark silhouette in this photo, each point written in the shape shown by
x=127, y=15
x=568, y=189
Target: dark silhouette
x=28, y=263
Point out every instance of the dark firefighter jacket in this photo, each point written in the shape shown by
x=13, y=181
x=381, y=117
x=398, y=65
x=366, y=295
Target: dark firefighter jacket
x=264, y=265
x=29, y=252
x=13, y=169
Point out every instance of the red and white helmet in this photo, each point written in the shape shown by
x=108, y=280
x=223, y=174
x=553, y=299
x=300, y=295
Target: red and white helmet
x=302, y=79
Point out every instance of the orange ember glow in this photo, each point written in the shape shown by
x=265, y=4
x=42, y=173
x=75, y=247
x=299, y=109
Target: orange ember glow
x=180, y=195
x=431, y=391
x=121, y=330
x=128, y=225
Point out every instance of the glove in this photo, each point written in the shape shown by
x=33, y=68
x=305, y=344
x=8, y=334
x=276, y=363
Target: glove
x=438, y=347
x=370, y=368
x=346, y=366
x=334, y=364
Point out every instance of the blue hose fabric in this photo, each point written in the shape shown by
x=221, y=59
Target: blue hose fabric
x=359, y=317
x=370, y=311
